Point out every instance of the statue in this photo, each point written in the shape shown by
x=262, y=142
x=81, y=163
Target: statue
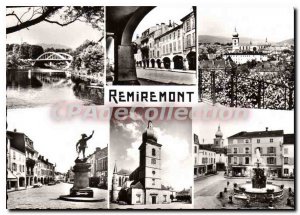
x=83, y=144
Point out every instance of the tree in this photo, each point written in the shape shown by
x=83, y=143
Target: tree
x=29, y=16
x=35, y=51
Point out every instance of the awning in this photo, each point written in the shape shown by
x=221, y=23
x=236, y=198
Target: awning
x=10, y=176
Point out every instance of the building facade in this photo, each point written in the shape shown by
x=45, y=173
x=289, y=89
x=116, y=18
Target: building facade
x=169, y=47
x=98, y=173
x=288, y=156
x=25, y=167
x=244, y=148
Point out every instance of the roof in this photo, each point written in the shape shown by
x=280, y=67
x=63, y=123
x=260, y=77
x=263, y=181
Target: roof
x=245, y=134
x=187, y=16
x=137, y=185
x=17, y=140
x=289, y=139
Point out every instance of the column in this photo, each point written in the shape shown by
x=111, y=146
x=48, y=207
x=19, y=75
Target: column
x=185, y=64
x=172, y=65
x=126, y=70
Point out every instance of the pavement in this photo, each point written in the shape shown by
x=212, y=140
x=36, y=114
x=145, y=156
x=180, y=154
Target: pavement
x=206, y=189
x=173, y=205
x=165, y=77
x=46, y=197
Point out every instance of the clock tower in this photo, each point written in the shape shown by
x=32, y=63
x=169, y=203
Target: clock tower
x=235, y=41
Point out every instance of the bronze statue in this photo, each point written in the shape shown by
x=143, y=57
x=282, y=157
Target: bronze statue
x=83, y=144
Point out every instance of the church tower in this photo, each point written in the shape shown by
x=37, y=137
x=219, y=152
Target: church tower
x=150, y=160
x=235, y=41
x=218, y=140
x=114, y=190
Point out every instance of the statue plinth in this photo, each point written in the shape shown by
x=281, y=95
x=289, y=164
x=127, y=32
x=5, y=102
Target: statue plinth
x=81, y=179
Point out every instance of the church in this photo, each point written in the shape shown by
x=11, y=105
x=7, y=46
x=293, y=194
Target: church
x=241, y=54
x=143, y=185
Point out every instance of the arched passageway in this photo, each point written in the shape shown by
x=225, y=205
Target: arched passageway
x=178, y=62
x=191, y=57
x=158, y=61
x=167, y=62
x=152, y=63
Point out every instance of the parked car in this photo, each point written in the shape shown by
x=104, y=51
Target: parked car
x=51, y=183
x=37, y=185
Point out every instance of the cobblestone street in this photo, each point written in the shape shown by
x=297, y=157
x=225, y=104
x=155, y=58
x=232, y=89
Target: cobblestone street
x=46, y=197
x=206, y=189
x=166, y=77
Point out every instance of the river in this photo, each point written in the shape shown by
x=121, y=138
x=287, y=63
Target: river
x=36, y=87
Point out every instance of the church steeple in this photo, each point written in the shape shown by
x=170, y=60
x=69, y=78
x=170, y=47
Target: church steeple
x=115, y=168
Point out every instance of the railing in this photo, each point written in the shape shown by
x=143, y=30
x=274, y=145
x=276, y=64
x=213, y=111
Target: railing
x=230, y=89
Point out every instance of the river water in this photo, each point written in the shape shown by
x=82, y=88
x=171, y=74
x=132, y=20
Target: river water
x=41, y=87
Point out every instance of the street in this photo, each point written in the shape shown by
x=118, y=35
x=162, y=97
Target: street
x=164, y=77
x=46, y=197
x=173, y=205
x=206, y=189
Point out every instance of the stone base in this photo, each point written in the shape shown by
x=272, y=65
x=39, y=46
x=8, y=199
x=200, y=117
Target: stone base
x=86, y=192
x=80, y=199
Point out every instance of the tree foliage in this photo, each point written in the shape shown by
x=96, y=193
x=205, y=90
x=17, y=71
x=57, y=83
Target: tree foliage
x=62, y=16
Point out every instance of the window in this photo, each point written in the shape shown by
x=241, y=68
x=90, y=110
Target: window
x=195, y=149
x=234, y=150
x=271, y=150
x=170, y=45
x=247, y=160
x=258, y=140
x=153, y=161
x=153, y=152
x=14, y=155
x=235, y=160
x=247, y=141
x=178, y=33
x=153, y=181
x=174, y=46
x=247, y=150
x=179, y=45
x=138, y=198
x=286, y=171
x=188, y=42
x=165, y=198
x=286, y=160
x=120, y=181
x=188, y=25
x=153, y=172
x=271, y=160
x=271, y=140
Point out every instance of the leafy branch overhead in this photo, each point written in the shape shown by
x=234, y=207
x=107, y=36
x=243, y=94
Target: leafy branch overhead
x=25, y=17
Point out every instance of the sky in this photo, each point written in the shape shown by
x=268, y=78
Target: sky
x=162, y=14
x=257, y=120
x=57, y=140
x=277, y=24
x=72, y=35
x=175, y=137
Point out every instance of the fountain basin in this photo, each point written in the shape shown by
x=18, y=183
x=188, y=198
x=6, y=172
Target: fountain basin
x=246, y=191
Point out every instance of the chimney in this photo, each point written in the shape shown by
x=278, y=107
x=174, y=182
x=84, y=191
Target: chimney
x=170, y=23
x=15, y=130
x=157, y=26
x=267, y=128
x=98, y=149
x=163, y=27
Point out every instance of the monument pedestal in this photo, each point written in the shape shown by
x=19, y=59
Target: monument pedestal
x=81, y=180
x=81, y=192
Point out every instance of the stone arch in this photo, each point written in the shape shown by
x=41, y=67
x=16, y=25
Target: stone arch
x=158, y=61
x=21, y=182
x=191, y=57
x=152, y=61
x=178, y=62
x=167, y=62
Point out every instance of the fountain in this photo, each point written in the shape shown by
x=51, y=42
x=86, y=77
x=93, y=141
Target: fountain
x=258, y=189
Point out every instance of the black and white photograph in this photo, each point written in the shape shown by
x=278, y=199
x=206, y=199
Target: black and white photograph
x=151, y=161
x=54, y=54
x=55, y=165
x=151, y=45
x=245, y=163
x=246, y=57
